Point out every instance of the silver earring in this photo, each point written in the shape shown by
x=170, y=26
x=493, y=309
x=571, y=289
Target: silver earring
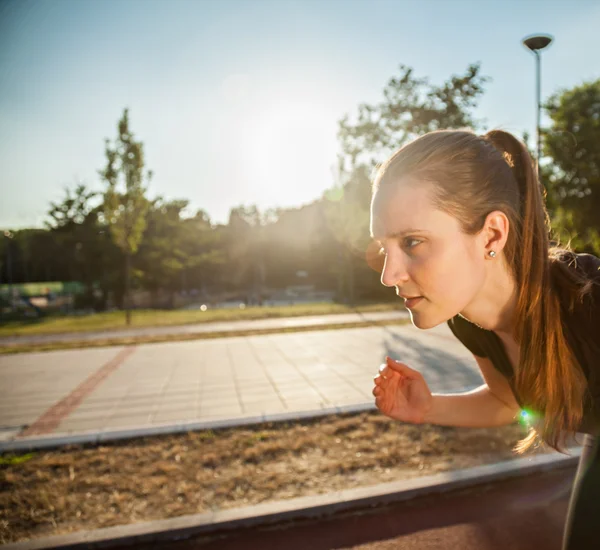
x=492, y=253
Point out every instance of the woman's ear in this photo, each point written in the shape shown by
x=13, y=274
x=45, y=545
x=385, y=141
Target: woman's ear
x=495, y=231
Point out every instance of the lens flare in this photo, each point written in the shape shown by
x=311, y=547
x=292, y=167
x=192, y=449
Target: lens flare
x=530, y=419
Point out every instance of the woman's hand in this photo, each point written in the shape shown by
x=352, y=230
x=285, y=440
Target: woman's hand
x=402, y=393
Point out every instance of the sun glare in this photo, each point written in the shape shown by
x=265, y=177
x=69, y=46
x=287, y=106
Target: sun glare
x=292, y=144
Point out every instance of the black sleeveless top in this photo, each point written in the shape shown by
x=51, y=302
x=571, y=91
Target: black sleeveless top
x=580, y=326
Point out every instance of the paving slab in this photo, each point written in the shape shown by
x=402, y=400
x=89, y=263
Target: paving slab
x=104, y=389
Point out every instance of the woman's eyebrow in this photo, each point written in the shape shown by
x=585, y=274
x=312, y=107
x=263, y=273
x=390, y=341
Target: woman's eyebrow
x=402, y=233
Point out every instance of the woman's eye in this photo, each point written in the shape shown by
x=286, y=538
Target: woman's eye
x=409, y=240
x=407, y=243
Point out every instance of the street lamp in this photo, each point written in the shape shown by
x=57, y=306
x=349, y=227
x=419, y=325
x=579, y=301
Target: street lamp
x=9, y=236
x=536, y=43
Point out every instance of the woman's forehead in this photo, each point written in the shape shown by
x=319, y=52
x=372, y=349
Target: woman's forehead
x=401, y=209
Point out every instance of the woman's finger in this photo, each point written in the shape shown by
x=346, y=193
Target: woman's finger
x=385, y=371
x=401, y=368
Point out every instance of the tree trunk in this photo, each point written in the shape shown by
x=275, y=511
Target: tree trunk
x=340, y=276
x=127, y=287
x=350, y=278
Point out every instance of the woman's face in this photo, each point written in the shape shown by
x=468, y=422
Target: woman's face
x=426, y=253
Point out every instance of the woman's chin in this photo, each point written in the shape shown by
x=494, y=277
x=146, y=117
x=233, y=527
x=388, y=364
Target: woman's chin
x=424, y=322
x=420, y=321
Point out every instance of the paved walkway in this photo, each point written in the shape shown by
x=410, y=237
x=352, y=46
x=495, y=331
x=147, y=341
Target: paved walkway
x=201, y=328
x=120, y=387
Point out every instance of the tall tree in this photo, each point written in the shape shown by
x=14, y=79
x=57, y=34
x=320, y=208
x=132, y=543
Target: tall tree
x=75, y=229
x=205, y=254
x=573, y=173
x=125, y=202
x=346, y=208
x=178, y=252
x=247, y=246
x=73, y=209
x=410, y=107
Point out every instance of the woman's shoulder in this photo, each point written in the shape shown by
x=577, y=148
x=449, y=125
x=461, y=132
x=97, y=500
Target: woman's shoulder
x=585, y=304
x=582, y=262
x=470, y=334
x=590, y=264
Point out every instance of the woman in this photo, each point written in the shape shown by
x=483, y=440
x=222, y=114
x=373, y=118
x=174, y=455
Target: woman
x=462, y=224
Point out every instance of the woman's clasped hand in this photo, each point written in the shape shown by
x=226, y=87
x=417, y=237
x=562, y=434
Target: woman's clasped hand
x=402, y=393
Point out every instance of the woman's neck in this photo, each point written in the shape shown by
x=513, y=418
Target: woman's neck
x=494, y=305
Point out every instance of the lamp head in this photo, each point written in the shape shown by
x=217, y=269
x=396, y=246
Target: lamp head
x=537, y=42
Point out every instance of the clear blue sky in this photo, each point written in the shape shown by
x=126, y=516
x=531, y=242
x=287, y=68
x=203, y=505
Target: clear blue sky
x=238, y=101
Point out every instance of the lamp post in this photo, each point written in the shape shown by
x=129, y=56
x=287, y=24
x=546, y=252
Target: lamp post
x=536, y=43
x=9, y=236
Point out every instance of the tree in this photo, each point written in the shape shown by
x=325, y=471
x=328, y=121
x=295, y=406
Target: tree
x=125, y=203
x=204, y=253
x=346, y=208
x=411, y=107
x=573, y=175
x=247, y=246
x=160, y=258
x=74, y=208
x=178, y=252
x=78, y=238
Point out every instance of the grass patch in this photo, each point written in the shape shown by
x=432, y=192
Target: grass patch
x=86, y=487
x=115, y=320
x=149, y=339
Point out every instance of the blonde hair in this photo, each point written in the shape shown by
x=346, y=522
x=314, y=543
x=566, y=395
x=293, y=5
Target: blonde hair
x=472, y=176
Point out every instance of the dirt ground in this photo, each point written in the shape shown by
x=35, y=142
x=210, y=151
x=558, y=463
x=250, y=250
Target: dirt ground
x=82, y=488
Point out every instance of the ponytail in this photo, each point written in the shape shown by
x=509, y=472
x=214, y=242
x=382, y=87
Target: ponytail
x=548, y=379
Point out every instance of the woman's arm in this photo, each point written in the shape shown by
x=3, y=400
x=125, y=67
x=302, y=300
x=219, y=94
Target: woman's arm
x=478, y=408
x=490, y=405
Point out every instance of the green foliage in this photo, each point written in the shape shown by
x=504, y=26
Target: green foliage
x=75, y=209
x=573, y=175
x=411, y=107
x=178, y=250
x=346, y=204
x=346, y=207
x=568, y=229
x=247, y=246
x=76, y=230
x=14, y=460
x=125, y=203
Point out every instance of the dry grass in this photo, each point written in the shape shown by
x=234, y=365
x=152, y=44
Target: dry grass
x=72, y=489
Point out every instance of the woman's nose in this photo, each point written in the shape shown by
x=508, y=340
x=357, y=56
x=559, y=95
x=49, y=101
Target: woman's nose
x=394, y=271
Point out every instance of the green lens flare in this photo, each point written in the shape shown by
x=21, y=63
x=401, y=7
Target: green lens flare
x=527, y=417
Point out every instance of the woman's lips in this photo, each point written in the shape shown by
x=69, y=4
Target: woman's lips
x=411, y=302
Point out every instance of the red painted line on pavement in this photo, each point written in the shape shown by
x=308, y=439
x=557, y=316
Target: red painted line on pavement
x=50, y=420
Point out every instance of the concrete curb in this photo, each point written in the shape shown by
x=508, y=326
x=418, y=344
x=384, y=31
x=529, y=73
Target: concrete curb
x=301, y=508
x=95, y=437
